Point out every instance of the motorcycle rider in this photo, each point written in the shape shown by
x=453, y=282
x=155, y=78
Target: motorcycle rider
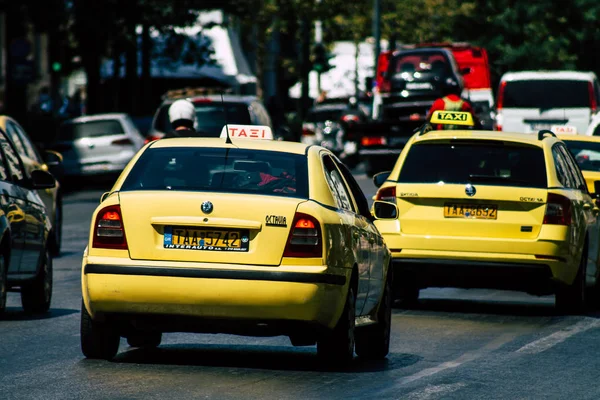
x=182, y=115
x=451, y=102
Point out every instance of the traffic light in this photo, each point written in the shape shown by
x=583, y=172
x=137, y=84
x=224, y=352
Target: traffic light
x=321, y=58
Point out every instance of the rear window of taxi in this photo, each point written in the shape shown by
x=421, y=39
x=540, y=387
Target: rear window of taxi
x=483, y=161
x=220, y=170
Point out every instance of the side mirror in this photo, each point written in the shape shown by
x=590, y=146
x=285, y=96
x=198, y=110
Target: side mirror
x=380, y=178
x=465, y=70
x=385, y=210
x=42, y=180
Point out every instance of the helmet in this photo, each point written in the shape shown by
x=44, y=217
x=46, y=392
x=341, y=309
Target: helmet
x=183, y=111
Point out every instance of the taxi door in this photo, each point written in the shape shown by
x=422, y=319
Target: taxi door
x=355, y=228
x=375, y=249
x=585, y=215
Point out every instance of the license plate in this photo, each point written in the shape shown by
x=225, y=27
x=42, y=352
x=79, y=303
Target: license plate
x=478, y=211
x=188, y=238
x=539, y=127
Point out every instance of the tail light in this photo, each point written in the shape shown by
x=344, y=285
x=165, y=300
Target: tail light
x=122, y=142
x=498, y=127
x=305, y=238
x=386, y=194
x=151, y=138
x=593, y=100
x=558, y=210
x=109, y=232
x=373, y=141
x=350, y=118
x=500, y=100
x=307, y=132
x=386, y=86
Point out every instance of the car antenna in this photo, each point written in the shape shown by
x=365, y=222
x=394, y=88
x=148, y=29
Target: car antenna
x=228, y=140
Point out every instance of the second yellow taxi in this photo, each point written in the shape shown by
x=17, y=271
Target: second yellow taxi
x=481, y=209
x=253, y=237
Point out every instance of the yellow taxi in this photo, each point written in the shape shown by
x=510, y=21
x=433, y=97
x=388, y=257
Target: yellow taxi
x=240, y=236
x=481, y=209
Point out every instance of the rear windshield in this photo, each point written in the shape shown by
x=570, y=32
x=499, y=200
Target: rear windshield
x=434, y=62
x=210, y=117
x=587, y=154
x=79, y=130
x=546, y=94
x=483, y=162
x=220, y=170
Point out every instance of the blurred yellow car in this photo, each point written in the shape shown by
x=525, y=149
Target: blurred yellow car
x=52, y=197
x=481, y=209
x=257, y=237
x=586, y=150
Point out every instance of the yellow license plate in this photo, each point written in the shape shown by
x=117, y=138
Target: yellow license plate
x=206, y=239
x=480, y=211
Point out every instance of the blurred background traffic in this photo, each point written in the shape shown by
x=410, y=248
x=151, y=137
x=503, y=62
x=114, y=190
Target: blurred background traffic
x=93, y=79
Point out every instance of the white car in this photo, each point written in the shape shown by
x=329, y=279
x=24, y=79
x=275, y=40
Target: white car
x=529, y=101
x=594, y=128
x=96, y=145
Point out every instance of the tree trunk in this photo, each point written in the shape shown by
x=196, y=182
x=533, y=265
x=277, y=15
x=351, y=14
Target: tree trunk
x=117, y=64
x=91, y=63
x=146, y=88
x=131, y=64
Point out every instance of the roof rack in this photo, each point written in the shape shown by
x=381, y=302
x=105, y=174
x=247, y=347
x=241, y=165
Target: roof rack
x=194, y=91
x=542, y=134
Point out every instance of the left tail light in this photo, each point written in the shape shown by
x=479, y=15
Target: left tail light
x=593, y=100
x=305, y=238
x=386, y=194
x=151, y=138
x=122, y=142
x=109, y=232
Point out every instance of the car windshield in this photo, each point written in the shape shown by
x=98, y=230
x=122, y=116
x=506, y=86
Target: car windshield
x=483, y=161
x=210, y=117
x=546, y=94
x=220, y=170
x=587, y=154
x=89, y=129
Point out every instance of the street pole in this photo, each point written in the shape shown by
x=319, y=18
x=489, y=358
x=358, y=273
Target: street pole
x=318, y=41
x=377, y=30
x=304, y=66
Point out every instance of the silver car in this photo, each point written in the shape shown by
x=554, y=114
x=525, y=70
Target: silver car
x=100, y=144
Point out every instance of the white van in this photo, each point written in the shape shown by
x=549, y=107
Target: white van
x=532, y=100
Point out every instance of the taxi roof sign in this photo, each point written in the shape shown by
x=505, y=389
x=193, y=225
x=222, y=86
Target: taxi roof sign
x=261, y=132
x=564, y=129
x=452, y=118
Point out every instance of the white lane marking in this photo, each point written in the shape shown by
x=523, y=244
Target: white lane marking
x=435, y=391
x=470, y=356
x=552, y=340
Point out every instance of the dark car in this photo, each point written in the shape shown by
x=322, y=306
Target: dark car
x=417, y=78
x=212, y=113
x=25, y=244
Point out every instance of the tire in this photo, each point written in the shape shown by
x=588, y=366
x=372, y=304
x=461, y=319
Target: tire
x=57, y=231
x=373, y=341
x=337, y=346
x=98, y=340
x=148, y=340
x=571, y=299
x=3, y=283
x=37, y=295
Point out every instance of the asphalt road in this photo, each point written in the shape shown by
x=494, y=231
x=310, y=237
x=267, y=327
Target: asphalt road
x=455, y=344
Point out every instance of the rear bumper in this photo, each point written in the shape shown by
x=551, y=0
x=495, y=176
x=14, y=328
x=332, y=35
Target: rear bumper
x=209, y=299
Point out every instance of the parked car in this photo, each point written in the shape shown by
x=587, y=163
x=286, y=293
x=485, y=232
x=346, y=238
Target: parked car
x=97, y=145
x=25, y=241
x=32, y=160
x=212, y=112
x=529, y=101
x=594, y=128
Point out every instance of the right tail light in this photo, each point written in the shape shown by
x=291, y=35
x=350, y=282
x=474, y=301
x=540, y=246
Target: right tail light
x=500, y=99
x=305, y=238
x=558, y=210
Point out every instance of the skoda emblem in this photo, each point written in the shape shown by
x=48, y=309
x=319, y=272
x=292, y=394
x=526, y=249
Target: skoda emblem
x=207, y=207
x=469, y=190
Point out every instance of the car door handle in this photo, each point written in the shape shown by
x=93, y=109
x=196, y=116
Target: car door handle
x=355, y=234
x=587, y=206
x=595, y=211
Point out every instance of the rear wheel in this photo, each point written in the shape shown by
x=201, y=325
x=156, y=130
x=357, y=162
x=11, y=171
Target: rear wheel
x=145, y=340
x=570, y=299
x=36, y=296
x=373, y=341
x=98, y=339
x=337, y=346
